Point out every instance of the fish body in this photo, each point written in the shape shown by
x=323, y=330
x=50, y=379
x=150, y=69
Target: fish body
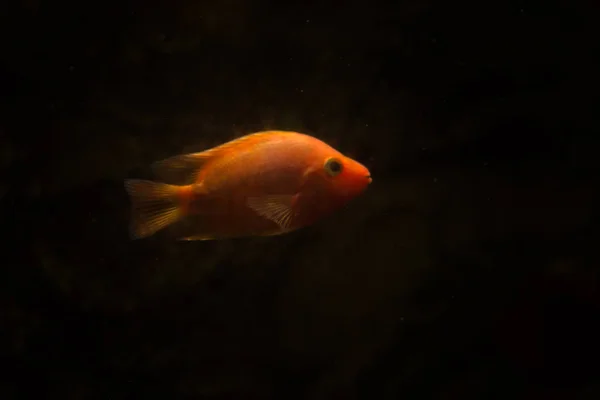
x=266, y=183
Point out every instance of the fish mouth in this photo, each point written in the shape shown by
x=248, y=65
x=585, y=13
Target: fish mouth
x=369, y=179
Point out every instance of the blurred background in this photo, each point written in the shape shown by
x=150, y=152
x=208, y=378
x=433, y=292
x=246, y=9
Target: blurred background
x=468, y=270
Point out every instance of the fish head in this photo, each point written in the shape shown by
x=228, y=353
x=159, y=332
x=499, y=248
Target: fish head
x=342, y=177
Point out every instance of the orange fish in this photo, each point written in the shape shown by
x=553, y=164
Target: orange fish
x=262, y=184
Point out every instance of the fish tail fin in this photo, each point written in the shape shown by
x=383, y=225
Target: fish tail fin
x=154, y=206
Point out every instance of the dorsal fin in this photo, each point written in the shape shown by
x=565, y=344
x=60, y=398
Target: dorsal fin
x=184, y=169
x=180, y=170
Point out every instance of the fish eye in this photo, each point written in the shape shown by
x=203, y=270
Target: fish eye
x=333, y=166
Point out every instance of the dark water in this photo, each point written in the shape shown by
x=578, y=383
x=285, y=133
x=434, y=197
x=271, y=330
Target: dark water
x=469, y=268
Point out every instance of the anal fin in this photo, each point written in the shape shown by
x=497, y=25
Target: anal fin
x=196, y=238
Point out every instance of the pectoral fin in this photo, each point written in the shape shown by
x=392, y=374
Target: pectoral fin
x=277, y=208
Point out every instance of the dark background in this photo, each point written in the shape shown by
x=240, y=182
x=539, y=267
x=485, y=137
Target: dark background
x=467, y=270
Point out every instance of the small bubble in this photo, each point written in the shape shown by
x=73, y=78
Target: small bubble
x=367, y=125
x=434, y=180
x=307, y=21
x=71, y=68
